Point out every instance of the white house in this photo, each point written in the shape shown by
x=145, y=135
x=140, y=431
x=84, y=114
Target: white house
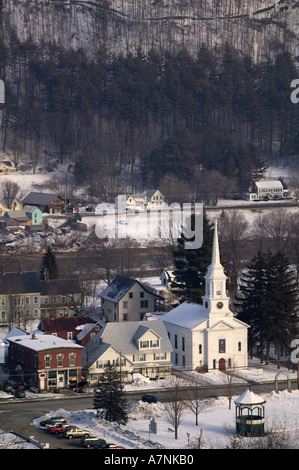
x=208, y=335
x=134, y=347
x=266, y=189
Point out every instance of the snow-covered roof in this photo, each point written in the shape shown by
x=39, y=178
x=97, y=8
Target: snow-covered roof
x=119, y=287
x=269, y=184
x=187, y=314
x=249, y=398
x=42, y=342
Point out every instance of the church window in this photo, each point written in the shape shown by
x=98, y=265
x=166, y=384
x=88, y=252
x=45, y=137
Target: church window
x=214, y=363
x=176, y=341
x=239, y=346
x=222, y=345
x=200, y=348
x=229, y=362
x=183, y=343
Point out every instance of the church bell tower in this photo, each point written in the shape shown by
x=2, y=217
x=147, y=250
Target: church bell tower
x=215, y=300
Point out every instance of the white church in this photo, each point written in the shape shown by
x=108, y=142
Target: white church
x=208, y=335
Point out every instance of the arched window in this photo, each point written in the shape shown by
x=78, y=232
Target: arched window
x=239, y=346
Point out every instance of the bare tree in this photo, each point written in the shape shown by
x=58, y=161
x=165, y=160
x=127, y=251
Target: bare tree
x=10, y=190
x=176, y=406
x=198, y=400
x=233, y=234
x=272, y=230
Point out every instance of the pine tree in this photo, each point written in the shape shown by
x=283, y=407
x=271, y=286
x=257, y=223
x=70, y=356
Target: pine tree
x=110, y=400
x=268, y=302
x=250, y=301
x=191, y=267
x=282, y=303
x=49, y=263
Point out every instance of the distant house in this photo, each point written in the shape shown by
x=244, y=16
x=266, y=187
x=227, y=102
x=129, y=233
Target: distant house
x=126, y=299
x=5, y=206
x=6, y=168
x=46, y=202
x=149, y=199
x=24, y=296
x=29, y=215
x=165, y=278
x=44, y=361
x=266, y=189
x=79, y=329
x=153, y=198
x=135, y=347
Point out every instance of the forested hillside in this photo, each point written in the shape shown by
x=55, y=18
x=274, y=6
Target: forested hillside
x=170, y=114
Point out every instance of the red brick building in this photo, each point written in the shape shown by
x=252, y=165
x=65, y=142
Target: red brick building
x=44, y=361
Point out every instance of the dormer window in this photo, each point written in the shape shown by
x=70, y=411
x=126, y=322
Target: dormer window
x=153, y=343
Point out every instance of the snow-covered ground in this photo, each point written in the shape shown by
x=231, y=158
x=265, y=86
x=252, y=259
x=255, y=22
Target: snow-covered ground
x=216, y=423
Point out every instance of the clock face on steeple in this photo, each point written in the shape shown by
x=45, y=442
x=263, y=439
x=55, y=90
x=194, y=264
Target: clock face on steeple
x=219, y=304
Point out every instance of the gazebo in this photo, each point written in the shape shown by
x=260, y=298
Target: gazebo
x=250, y=414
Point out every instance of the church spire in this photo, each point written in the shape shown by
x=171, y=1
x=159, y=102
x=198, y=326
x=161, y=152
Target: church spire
x=215, y=299
x=215, y=250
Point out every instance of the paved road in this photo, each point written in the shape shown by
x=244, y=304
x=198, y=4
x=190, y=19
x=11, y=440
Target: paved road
x=19, y=415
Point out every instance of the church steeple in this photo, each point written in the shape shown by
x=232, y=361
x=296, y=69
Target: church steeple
x=215, y=299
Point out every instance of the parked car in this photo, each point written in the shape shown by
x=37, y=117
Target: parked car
x=150, y=398
x=7, y=388
x=71, y=432
x=109, y=446
x=91, y=441
x=19, y=394
x=53, y=420
x=58, y=428
x=19, y=387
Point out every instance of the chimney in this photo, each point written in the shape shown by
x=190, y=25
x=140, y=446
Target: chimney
x=3, y=269
x=47, y=275
x=20, y=268
x=33, y=336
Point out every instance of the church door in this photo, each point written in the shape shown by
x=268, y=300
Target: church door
x=222, y=365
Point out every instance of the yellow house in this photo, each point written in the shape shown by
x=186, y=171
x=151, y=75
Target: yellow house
x=4, y=206
x=6, y=168
x=133, y=347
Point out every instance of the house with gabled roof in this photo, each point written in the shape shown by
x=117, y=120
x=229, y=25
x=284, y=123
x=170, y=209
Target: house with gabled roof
x=126, y=299
x=6, y=167
x=80, y=328
x=47, y=202
x=134, y=347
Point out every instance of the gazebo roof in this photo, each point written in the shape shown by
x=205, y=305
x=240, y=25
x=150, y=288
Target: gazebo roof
x=249, y=398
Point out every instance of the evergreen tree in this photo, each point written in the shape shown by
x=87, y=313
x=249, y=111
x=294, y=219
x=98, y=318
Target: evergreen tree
x=282, y=303
x=110, y=400
x=191, y=267
x=268, y=301
x=250, y=302
x=49, y=263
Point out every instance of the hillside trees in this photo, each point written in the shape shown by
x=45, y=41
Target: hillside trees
x=129, y=120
